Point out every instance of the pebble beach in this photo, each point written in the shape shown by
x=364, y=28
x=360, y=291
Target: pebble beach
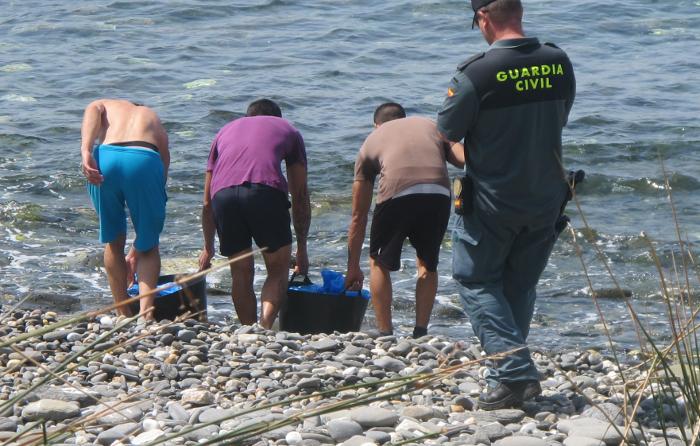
x=190, y=382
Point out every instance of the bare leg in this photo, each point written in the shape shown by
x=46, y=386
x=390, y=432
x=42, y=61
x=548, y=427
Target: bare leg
x=115, y=264
x=380, y=288
x=242, y=294
x=274, y=290
x=148, y=270
x=426, y=289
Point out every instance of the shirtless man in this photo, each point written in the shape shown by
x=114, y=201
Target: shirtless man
x=128, y=166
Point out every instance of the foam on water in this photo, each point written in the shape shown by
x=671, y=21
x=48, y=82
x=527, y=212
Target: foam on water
x=15, y=67
x=199, y=83
x=13, y=97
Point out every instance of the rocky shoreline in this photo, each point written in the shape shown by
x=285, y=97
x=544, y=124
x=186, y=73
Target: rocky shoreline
x=157, y=382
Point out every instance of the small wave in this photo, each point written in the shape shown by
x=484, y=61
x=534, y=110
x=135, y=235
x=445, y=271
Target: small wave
x=15, y=68
x=597, y=184
x=12, y=97
x=221, y=117
x=199, y=83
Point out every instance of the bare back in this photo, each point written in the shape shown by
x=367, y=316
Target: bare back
x=113, y=121
x=124, y=121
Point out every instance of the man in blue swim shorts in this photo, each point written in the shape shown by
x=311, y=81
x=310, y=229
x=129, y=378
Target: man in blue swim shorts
x=127, y=168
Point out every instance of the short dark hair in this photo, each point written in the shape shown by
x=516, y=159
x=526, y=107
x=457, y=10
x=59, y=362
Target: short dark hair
x=504, y=11
x=264, y=107
x=388, y=112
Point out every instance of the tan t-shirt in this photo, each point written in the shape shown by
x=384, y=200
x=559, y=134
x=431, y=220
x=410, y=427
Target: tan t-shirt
x=403, y=152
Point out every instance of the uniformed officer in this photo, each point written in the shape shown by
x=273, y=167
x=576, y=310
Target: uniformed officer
x=509, y=105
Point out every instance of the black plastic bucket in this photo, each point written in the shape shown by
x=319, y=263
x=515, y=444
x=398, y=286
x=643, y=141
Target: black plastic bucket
x=308, y=312
x=192, y=298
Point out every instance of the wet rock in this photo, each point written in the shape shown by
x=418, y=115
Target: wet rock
x=48, y=300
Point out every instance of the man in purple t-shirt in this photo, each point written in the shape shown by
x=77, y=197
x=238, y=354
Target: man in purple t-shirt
x=245, y=199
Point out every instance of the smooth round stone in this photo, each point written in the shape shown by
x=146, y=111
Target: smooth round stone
x=372, y=416
x=420, y=413
x=528, y=428
x=73, y=337
x=293, y=438
x=48, y=409
x=605, y=410
x=583, y=441
x=389, y=364
x=359, y=440
x=108, y=368
x=378, y=436
x=124, y=414
x=147, y=437
x=224, y=371
x=115, y=433
x=309, y=383
x=201, y=368
x=520, y=441
x=197, y=397
x=186, y=335
x=150, y=424
x=341, y=430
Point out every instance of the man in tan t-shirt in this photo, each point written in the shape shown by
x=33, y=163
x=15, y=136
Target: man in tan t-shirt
x=413, y=201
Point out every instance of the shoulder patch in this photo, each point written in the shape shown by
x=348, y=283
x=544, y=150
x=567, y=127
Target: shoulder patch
x=551, y=44
x=469, y=61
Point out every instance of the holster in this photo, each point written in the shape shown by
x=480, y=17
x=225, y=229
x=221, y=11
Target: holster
x=573, y=178
x=463, y=189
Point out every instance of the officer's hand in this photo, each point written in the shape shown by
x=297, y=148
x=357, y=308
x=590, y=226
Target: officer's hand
x=302, y=261
x=205, y=259
x=89, y=169
x=354, y=278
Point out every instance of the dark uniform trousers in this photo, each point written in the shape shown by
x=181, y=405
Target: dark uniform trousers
x=497, y=266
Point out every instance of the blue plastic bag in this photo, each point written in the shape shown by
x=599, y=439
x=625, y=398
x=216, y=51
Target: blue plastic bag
x=333, y=281
x=134, y=289
x=333, y=285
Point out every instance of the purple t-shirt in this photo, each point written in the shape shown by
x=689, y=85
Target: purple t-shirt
x=251, y=149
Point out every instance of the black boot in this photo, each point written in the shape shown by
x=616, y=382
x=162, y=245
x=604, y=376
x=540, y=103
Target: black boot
x=509, y=394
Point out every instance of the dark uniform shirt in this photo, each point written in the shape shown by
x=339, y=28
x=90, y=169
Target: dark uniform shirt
x=509, y=105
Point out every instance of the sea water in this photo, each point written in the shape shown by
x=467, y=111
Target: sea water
x=329, y=64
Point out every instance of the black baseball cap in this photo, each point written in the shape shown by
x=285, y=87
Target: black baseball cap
x=477, y=5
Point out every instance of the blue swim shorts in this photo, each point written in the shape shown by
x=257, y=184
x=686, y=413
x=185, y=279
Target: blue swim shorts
x=133, y=177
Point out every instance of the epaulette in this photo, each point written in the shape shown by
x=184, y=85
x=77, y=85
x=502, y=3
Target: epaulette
x=551, y=44
x=467, y=62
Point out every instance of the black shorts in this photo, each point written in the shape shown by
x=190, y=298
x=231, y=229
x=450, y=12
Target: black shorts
x=251, y=212
x=423, y=218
